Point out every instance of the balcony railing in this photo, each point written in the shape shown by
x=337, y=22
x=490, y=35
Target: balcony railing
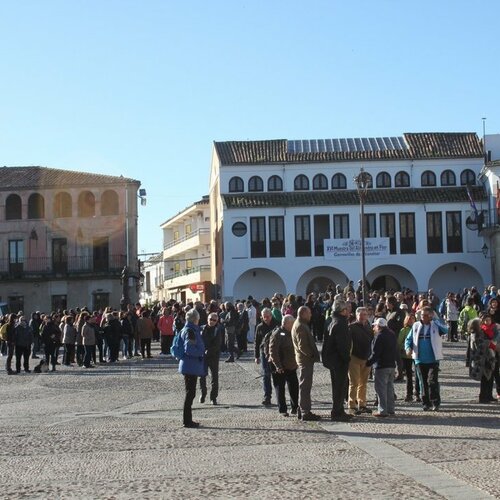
x=187, y=236
x=46, y=266
x=185, y=272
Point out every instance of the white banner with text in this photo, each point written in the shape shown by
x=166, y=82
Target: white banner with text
x=375, y=248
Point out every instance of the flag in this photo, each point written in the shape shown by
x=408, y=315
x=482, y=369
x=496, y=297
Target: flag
x=472, y=204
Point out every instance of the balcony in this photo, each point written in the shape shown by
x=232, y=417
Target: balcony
x=46, y=267
x=188, y=242
x=187, y=277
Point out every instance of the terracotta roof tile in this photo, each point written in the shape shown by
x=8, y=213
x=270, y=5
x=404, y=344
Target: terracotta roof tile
x=36, y=177
x=350, y=197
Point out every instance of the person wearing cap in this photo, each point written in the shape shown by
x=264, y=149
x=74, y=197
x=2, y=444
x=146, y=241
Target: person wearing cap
x=383, y=358
x=336, y=355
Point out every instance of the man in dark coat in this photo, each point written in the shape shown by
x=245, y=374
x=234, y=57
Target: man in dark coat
x=211, y=335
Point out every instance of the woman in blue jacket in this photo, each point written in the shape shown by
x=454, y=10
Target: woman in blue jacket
x=191, y=364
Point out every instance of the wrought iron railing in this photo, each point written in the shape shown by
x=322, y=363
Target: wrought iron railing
x=192, y=234
x=184, y=272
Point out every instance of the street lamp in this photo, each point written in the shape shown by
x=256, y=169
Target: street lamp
x=363, y=181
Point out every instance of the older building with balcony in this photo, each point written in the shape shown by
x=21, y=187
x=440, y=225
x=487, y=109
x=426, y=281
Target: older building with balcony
x=186, y=254
x=286, y=217
x=65, y=238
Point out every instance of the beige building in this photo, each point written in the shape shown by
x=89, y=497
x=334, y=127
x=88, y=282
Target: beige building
x=65, y=238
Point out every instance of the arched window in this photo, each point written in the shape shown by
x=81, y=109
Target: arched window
x=339, y=181
x=62, y=205
x=448, y=178
x=236, y=185
x=13, y=207
x=36, y=206
x=402, y=180
x=383, y=180
x=428, y=179
x=255, y=184
x=86, y=204
x=301, y=183
x=275, y=183
x=109, y=203
x=369, y=179
x=467, y=178
x=320, y=182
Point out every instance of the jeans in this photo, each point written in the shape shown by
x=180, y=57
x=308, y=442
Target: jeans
x=36, y=344
x=266, y=376
x=428, y=375
x=408, y=369
x=11, y=346
x=212, y=365
x=384, y=387
x=124, y=345
x=289, y=377
x=190, y=384
x=358, y=382
x=23, y=352
x=305, y=385
x=338, y=375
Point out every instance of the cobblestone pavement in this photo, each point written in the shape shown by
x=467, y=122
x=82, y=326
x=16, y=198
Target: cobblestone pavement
x=115, y=432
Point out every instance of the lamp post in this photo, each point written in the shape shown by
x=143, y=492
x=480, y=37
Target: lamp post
x=362, y=181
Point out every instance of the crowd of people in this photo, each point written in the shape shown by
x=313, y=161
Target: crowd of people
x=395, y=336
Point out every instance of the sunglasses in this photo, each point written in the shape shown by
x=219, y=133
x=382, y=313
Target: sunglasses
x=212, y=319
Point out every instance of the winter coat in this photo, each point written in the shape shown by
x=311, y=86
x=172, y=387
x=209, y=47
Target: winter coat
x=306, y=352
x=192, y=363
x=145, y=328
x=482, y=357
x=23, y=335
x=362, y=338
x=281, y=351
x=337, y=343
x=411, y=341
x=211, y=336
x=50, y=333
x=69, y=334
x=384, y=350
x=88, y=334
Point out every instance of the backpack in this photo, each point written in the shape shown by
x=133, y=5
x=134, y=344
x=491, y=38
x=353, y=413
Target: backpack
x=177, y=349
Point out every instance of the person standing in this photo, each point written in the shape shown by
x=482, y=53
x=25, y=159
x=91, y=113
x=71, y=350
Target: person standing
x=252, y=320
x=425, y=346
x=383, y=358
x=191, y=364
x=10, y=339
x=407, y=361
x=24, y=339
x=88, y=340
x=69, y=334
x=35, y=324
x=166, y=327
x=51, y=338
x=266, y=326
x=362, y=337
x=282, y=356
x=336, y=356
x=242, y=329
x=231, y=321
x=145, y=329
x=306, y=354
x=395, y=319
x=212, y=339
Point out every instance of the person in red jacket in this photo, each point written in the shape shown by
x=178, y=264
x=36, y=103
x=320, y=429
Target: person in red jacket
x=166, y=328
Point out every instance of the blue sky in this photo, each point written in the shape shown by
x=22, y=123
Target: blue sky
x=142, y=88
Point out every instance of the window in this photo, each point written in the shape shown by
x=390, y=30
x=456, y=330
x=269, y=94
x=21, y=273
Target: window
x=59, y=302
x=370, y=226
x=239, y=229
x=177, y=267
x=301, y=183
x=388, y=230
x=302, y=236
x=467, y=178
x=454, y=232
x=341, y=226
x=407, y=240
x=189, y=264
x=62, y=205
x=16, y=256
x=275, y=183
x=16, y=303
x=428, y=179
x=13, y=207
x=236, y=185
x=101, y=254
x=402, y=179
x=176, y=235
x=100, y=301
x=320, y=182
x=258, y=237
x=109, y=203
x=276, y=236
x=60, y=255
x=383, y=180
x=448, y=178
x=36, y=206
x=148, y=282
x=187, y=229
x=86, y=204
x=321, y=233
x=339, y=181
x=434, y=233
x=255, y=184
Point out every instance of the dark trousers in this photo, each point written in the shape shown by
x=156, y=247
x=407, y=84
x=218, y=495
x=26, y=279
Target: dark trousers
x=230, y=338
x=146, y=347
x=212, y=365
x=339, y=378
x=166, y=343
x=486, y=390
x=408, y=370
x=114, y=348
x=266, y=376
x=69, y=354
x=428, y=374
x=241, y=341
x=23, y=352
x=89, y=349
x=36, y=344
x=453, y=331
x=288, y=377
x=51, y=350
x=80, y=353
x=496, y=372
x=11, y=346
x=190, y=383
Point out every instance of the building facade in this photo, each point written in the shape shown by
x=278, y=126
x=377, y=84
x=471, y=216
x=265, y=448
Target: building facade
x=186, y=254
x=65, y=238
x=274, y=205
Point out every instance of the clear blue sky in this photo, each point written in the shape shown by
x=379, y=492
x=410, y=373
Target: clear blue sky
x=142, y=88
